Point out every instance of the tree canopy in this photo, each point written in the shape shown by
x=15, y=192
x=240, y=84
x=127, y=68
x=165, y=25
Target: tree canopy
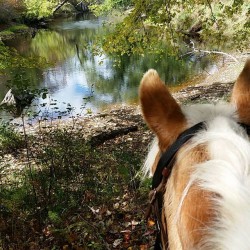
x=31, y=9
x=154, y=26
x=40, y=8
x=147, y=24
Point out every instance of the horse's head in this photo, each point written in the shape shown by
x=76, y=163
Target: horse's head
x=167, y=119
x=197, y=199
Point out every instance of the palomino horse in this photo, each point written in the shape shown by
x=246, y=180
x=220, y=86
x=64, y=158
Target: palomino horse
x=206, y=200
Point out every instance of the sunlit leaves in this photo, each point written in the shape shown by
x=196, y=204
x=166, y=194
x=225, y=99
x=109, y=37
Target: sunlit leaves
x=40, y=8
x=108, y=5
x=152, y=22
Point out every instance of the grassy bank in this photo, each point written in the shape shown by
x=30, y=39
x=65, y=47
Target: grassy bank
x=11, y=31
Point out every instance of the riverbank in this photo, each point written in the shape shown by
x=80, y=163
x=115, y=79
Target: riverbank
x=126, y=120
x=10, y=31
x=75, y=183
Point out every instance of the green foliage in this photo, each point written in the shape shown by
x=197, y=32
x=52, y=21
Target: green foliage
x=10, y=32
x=6, y=34
x=108, y=5
x=21, y=83
x=23, y=73
x=38, y=9
x=54, y=217
x=18, y=28
x=68, y=190
x=10, y=59
x=10, y=140
x=152, y=22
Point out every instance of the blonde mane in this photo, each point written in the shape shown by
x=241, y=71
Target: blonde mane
x=207, y=198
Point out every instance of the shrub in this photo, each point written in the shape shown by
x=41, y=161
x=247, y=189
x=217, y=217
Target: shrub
x=10, y=140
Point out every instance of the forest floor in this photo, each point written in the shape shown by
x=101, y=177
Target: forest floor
x=76, y=185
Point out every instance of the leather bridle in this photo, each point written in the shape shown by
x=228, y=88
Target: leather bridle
x=160, y=178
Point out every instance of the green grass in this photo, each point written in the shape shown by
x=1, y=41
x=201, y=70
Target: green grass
x=18, y=28
x=6, y=34
x=11, y=31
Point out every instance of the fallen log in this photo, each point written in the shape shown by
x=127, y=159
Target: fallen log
x=9, y=99
x=15, y=103
x=108, y=135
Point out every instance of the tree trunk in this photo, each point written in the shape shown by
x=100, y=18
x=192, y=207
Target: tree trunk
x=9, y=99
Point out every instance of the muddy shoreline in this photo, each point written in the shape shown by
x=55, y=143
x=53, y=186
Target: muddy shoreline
x=122, y=119
x=125, y=122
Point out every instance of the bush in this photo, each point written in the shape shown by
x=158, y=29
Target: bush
x=10, y=140
x=69, y=193
x=37, y=9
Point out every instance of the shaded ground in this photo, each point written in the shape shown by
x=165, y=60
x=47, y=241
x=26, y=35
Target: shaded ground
x=76, y=196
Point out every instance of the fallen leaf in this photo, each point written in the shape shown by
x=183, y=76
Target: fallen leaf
x=134, y=223
x=127, y=237
x=117, y=242
x=126, y=231
x=149, y=232
x=94, y=211
x=108, y=213
x=127, y=224
x=150, y=223
x=116, y=205
x=47, y=230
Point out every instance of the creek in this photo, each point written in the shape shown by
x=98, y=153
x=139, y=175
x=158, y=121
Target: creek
x=80, y=81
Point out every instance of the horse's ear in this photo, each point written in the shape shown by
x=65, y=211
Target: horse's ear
x=160, y=110
x=241, y=94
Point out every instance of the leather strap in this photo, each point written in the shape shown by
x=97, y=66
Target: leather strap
x=170, y=153
x=160, y=178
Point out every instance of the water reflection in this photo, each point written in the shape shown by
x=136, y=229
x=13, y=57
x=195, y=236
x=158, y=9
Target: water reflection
x=75, y=73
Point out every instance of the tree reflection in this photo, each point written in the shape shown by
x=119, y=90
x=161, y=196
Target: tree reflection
x=76, y=64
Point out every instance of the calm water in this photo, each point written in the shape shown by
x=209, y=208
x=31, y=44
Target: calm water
x=86, y=82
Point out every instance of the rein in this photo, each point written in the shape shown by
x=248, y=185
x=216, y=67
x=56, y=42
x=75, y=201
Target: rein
x=160, y=178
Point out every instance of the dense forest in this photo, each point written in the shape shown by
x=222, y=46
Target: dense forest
x=136, y=27
x=144, y=23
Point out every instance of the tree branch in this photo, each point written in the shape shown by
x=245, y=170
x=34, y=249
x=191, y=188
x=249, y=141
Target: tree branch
x=212, y=13
x=195, y=50
x=60, y=5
